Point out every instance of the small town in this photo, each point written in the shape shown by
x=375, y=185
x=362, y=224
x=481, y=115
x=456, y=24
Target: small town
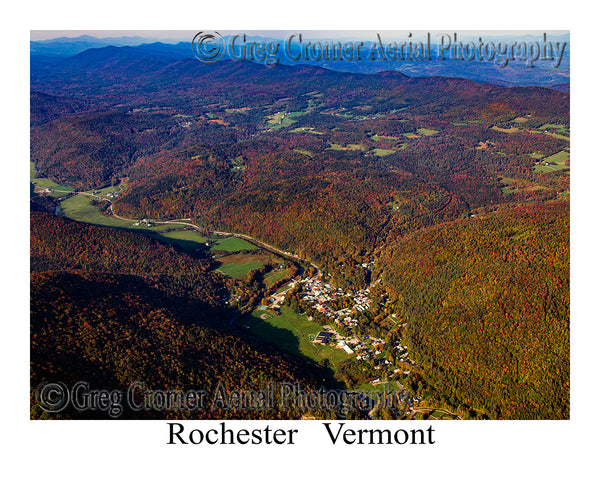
x=319, y=295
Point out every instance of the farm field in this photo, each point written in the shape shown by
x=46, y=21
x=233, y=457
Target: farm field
x=506, y=130
x=282, y=119
x=306, y=130
x=234, y=270
x=238, y=265
x=46, y=182
x=186, y=239
x=79, y=208
x=380, y=387
x=426, y=131
x=560, y=159
x=351, y=146
x=382, y=152
x=233, y=244
x=273, y=277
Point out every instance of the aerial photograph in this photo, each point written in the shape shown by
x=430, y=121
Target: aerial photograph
x=300, y=225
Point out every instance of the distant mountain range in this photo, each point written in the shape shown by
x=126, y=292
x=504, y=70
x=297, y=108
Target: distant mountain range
x=50, y=52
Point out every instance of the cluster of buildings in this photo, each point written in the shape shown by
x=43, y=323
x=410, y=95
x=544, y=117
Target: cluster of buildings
x=318, y=294
x=145, y=222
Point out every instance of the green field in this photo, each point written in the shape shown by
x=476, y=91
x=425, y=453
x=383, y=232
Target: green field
x=381, y=387
x=273, y=277
x=186, y=239
x=556, y=135
x=382, y=152
x=377, y=138
x=559, y=158
x=284, y=287
x=306, y=130
x=549, y=168
x=233, y=244
x=105, y=191
x=79, y=208
x=426, y=131
x=290, y=331
x=234, y=270
x=560, y=129
x=506, y=130
x=350, y=146
x=278, y=120
x=308, y=153
x=507, y=185
x=46, y=182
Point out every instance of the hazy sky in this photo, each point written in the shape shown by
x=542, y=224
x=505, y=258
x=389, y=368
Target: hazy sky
x=186, y=35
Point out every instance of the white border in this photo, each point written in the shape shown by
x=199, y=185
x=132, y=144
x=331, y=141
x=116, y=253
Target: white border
x=465, y=449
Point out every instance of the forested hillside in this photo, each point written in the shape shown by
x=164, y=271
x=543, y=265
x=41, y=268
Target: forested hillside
x=112, y=314
x=486, y=304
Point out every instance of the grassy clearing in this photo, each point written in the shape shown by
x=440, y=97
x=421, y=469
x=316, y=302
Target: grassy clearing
x=350, y=146
x=560, y=159
x=506, y=130
x=308, y=153
x=238, y=265
x=43, y=183
x=306, y=130
x=290, y=332
x=107, y=190
x=275, y=276
x=556, y=135
x=380, y=387
x=549, y=168
x=79, y=208
x=562, y=129
x=282, y=119
x=186, y=239
x=508, y=185
x=275, y=119
x=378, y=138
x=283, y=288
x=556, y=130
x=233, y=244
x=382, y=152
x=234, y=270
x=426, y=131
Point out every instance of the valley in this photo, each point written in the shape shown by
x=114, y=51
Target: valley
x=421, y=223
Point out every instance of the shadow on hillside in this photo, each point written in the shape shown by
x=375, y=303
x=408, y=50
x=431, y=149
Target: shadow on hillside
x=282, y=340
